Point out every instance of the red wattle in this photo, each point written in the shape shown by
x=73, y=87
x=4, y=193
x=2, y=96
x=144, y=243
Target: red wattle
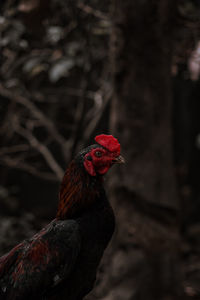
x=89, y=167
x=103, y=170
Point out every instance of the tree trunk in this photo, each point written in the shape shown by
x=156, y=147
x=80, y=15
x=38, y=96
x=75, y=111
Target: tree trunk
x=146, y=246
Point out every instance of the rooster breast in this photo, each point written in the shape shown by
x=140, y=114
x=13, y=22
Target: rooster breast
x=96, y=229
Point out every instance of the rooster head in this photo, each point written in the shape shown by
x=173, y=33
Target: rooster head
x=98, y=158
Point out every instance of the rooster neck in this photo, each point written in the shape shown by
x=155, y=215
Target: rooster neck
x=78, y=192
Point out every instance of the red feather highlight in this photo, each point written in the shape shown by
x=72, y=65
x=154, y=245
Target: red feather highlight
x=108, y=142
x=75, y=193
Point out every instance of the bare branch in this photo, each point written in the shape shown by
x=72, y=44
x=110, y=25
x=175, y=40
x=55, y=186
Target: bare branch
x=14, y=149
x=89, y=10
x=41, y=148
x=68, y=92
x=95, y=121
x=17, y=164
x=38, y=114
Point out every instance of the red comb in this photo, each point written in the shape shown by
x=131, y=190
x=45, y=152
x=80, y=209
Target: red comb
x=108, y=142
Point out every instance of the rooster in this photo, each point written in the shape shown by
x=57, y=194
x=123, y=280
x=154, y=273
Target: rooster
x=60, y=262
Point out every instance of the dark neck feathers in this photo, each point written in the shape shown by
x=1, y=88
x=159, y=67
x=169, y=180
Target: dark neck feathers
x=78, y=191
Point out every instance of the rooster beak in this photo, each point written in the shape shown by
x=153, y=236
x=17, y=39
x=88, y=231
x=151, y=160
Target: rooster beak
x=119, y=160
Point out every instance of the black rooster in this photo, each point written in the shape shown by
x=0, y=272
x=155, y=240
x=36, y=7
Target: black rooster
x=60, y=262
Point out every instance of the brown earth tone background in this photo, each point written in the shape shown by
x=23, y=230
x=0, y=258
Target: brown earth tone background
x=72, y=69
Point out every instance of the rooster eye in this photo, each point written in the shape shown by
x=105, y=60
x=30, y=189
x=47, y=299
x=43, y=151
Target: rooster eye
x=98, y=154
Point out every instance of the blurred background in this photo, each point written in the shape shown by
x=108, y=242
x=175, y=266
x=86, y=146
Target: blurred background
x=72, y=69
